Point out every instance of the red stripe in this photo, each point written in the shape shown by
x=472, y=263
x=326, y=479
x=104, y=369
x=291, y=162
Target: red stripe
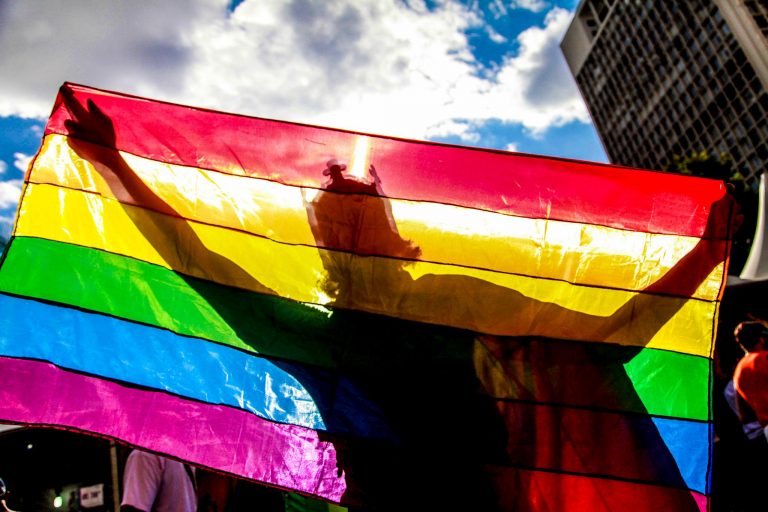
x=620, y=446
x=538, y=491
x=525, y=185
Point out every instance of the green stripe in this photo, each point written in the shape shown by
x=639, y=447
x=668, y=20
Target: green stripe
x=659, y=376
x=660, y=382
x=142, y=292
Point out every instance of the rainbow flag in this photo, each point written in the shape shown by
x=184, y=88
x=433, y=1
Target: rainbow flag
x=368, y=320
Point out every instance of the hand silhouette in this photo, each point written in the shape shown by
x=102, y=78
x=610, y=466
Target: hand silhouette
x=90, y=123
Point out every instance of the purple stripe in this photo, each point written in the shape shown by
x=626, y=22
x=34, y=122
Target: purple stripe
x=213, y=436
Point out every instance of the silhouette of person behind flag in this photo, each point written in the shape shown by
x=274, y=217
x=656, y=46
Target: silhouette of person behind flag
x=452, y=442
x=458, y=441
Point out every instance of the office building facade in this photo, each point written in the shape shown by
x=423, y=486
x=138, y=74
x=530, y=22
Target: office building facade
x=667, y=78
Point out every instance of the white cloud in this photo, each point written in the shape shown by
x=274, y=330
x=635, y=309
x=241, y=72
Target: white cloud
x=107, y=44
x=538, y=81
x=3, y=167
x=511, y=146
x=21, y=161
x=530, y=5
x=495, y=36
x=10, y=191
x=389, y=67
x=465, y=131
x=497, y=8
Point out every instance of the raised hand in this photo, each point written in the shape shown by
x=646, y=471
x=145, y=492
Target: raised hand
x=88, y=123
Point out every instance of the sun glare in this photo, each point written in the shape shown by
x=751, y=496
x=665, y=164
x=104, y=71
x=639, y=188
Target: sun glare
x=361, y=157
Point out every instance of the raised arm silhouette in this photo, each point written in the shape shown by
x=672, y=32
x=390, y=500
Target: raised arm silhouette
x=354, y=218
x=90, y=124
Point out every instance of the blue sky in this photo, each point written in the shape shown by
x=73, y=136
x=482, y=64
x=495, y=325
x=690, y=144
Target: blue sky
x=471, y=72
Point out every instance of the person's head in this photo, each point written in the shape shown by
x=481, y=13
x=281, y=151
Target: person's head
x=751, y=335
x=333, y=169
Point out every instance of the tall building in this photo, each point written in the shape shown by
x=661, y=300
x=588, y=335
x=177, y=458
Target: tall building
x=666, y=78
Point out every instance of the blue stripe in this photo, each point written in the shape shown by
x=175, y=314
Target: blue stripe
x=689, y=443
x=190, y=367
x=280, y=391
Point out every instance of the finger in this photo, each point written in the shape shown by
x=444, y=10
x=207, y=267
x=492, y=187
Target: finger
x=73, y=105
x=97, y=112
x=73, y=127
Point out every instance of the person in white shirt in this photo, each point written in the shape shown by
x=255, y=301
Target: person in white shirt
x=153, y=483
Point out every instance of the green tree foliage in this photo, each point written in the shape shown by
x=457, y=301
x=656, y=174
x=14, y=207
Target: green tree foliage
x=705, y=165
x=720, y=167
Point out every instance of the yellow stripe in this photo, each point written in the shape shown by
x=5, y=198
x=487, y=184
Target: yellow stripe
x=578, y=253
x=479, y=300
